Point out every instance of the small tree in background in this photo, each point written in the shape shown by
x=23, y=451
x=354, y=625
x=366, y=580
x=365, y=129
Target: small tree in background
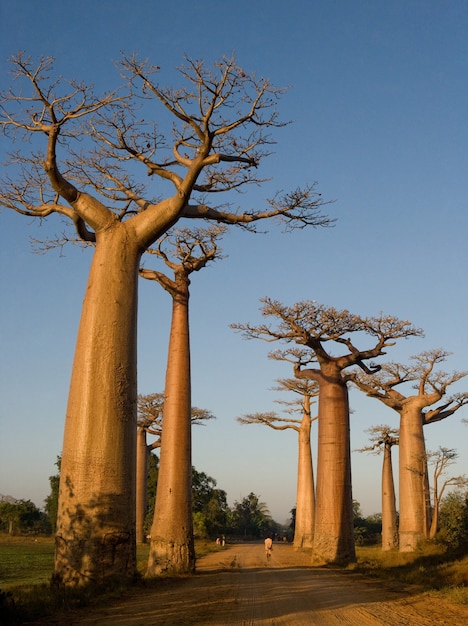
x=210, y=508
x=442, y=459
x=51, y=501
x=23, y=516
x=453, y=521
x=149, y=422
x=251, y=517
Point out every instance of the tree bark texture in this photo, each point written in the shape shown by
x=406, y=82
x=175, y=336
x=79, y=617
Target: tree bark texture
x=305, y=501
x=172, y=546
x=96, y=516
x=389, y=511
x=412, y=480
x=334, y=532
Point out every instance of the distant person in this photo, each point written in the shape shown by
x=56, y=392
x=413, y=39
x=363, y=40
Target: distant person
x=268, y=547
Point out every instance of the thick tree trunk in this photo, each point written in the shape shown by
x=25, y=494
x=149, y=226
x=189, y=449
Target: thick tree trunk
x=96, y=513
x=141, y=483
x=412, y=480
x=305, y=501
x=334, y=532
x=389, y=512
x=172, y=547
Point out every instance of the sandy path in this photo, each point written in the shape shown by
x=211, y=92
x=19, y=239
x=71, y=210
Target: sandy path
x=238, y=587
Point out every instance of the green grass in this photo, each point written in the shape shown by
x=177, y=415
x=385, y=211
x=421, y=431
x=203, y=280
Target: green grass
x=25, y=561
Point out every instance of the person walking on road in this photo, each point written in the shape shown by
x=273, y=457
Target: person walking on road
x=268, y=547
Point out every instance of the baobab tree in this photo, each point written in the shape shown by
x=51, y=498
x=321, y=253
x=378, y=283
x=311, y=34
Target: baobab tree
x=442, y=459
x=382, y=439
x=431, y=386
x=312, y=325
x=172, y=548
x=149, y=422
x=124, y=188
x=305, y=498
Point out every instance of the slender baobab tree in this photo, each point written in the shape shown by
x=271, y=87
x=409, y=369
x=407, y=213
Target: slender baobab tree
x=122, y=186
x=431, y=386
x=149, y=422
x=172, y=550
x=305, y=498
x=382, y=439
x=313, y=326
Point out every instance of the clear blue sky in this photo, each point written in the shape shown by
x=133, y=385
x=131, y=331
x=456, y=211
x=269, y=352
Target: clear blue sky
x=378, y=96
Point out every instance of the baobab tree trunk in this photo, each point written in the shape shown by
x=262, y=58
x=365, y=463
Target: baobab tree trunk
x=305, y=501
x=389, y=512
x=334, y=532
x=172, y=546
x=412, y=480
x=435, y=520
x=141, y=483
x=95, y=536
x=427, y=496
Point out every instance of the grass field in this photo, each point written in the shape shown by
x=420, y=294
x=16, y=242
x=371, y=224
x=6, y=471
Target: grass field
x=28, y=561
x=25, y=561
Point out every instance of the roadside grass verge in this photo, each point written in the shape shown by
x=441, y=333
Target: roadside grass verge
x=432, y=568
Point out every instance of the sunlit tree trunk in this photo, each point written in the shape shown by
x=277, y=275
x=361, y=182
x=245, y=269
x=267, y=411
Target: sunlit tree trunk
x=96, y=515
x=427, y=495
x=305, y=501
x=334, y=532
x=172, y=547
x=435, y=516
x=389, y=511
x=141, y=483
x=412, y=480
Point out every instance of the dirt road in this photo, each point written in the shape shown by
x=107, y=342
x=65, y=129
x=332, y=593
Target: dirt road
x=238, y=587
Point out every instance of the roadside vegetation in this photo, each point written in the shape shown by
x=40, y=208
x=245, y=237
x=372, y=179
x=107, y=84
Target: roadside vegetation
x=432, y=568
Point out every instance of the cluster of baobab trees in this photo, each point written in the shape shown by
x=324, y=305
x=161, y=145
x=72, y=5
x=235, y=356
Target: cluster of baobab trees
x=99, y=162
x=221, y=119
x=324, y=354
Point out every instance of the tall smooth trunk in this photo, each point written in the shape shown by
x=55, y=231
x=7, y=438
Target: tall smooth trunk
x=389, y=512
x=172, y=546
x=334, y=531
x=412, y=480
x=95, y=536
x=141, y=484
x=427, y=496
x=305, y=501
x=435, y=520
